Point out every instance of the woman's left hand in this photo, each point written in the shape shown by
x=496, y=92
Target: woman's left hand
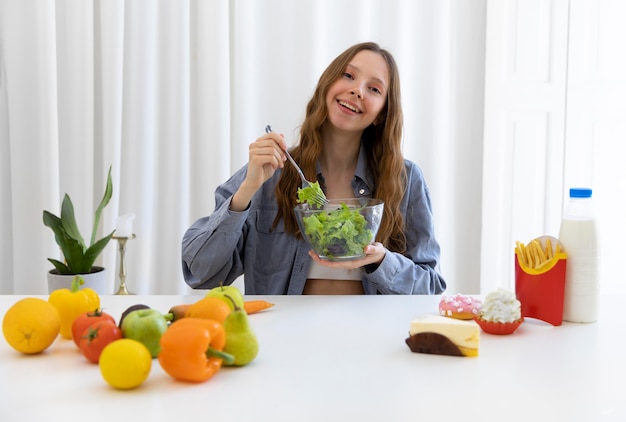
x=374, y=254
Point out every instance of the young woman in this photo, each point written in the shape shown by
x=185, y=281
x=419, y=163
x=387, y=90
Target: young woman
x=350, y=141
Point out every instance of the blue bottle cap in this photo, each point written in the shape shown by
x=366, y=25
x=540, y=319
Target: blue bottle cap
x=580, y=193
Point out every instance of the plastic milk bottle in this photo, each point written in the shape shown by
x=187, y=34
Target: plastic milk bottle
x=579, y=237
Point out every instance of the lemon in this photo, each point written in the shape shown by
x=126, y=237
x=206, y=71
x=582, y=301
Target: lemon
x=125, y=363
x=31, y=325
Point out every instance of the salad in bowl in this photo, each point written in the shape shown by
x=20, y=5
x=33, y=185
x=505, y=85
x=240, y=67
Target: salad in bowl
x=341, y=229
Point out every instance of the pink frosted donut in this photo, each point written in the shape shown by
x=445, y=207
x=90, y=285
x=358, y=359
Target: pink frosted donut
x=459, y=306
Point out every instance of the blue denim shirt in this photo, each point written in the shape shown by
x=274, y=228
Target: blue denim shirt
x=222, y=246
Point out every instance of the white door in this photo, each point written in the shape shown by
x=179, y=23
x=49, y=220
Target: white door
x=596, y=123
x=526, y=71
x=555, y=116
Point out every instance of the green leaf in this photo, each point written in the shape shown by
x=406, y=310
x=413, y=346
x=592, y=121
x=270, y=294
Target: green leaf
x=311, y=194
x=74, y=255
x=91, y=254
x=108, y=193
x=69, y=220
x=55, y=224
x=72, y=249
x=338, y=232
x=61, y=267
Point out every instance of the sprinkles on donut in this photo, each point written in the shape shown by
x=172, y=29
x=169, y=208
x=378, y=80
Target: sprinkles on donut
x=460, y=306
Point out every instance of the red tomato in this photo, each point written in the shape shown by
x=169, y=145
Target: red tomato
x=87, y=319
x=96, y=337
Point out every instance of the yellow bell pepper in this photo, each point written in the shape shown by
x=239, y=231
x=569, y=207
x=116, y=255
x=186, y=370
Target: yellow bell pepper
x=73, y=302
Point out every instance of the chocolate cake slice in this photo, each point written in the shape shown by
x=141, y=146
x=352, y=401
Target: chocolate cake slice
x=436, y=334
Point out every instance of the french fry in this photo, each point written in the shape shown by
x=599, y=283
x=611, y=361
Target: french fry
x=549, y=253
x=529, y=258
x=541, y=256
x=535, y=255
x=521, y=253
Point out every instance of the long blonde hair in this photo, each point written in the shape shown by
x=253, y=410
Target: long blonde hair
x=382, y=143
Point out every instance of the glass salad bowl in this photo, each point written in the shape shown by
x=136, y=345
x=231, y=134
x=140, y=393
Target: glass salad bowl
x=340, y=230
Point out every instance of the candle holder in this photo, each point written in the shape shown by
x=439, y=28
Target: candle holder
x=121, y=241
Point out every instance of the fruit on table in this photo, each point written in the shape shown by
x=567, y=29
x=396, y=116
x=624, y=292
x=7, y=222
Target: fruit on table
x=86, y=319
x=191, y=349
x=177, y=312
x=129, y=310
x=125, y=363
x=96, y=337
x=241, y=341
x=232, y=291
x=209, y=308
x=145, y=326
x=31, y=325
x=73, y=302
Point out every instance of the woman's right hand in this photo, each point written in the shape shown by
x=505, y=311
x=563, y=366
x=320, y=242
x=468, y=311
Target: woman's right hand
x=265, y=155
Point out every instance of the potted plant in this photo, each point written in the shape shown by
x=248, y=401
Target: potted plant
x=79, y=257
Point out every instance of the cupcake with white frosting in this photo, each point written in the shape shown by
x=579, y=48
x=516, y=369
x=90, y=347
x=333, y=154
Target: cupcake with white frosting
x=501, y=313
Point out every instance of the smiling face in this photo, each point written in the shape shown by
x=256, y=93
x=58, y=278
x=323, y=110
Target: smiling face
x=357, y=97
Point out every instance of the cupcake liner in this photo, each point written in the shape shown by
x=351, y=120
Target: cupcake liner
x=498, y=328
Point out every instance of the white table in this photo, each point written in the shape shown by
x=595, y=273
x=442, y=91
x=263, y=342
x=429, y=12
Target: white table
x=341, y=358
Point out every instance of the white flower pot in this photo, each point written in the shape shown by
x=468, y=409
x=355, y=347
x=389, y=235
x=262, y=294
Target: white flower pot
x=96, y=280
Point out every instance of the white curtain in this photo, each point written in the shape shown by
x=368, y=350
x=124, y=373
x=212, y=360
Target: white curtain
x=171, y=93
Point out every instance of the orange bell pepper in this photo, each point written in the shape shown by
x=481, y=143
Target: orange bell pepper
x=191, y=349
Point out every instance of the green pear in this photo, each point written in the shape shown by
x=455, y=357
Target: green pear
x=241, y=341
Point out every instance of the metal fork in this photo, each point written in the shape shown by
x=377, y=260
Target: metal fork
x=319, y=199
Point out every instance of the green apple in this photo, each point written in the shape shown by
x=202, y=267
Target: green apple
x=129, y=310
x=223, y=291
x=145, y=326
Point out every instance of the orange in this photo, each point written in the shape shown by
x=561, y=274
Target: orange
x=125, y=363
x=209, y=308
x=31, y=325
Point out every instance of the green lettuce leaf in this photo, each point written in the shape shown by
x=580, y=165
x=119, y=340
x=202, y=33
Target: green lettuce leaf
x=310, y=194
x=337, y=233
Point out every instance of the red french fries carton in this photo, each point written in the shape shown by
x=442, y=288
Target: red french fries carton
x=540, y=279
